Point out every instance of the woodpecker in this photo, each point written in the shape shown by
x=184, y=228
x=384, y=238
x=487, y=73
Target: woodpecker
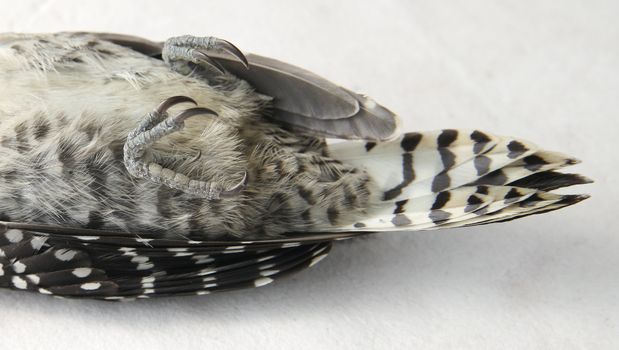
x=136, y=169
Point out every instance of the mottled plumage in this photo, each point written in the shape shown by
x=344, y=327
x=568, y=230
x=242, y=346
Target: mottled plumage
x=134, y=169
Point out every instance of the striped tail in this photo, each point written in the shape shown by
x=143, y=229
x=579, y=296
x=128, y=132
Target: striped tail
x=454, y=178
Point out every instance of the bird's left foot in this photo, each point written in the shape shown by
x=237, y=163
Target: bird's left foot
x=199, y=50
x=144, y=163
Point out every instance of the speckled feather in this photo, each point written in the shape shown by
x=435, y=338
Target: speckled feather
x=76, y=223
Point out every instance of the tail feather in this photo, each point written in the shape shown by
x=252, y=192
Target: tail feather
x=550, y=180
x=529, y=207
x=419, y=164
x=454, y=178
x=540, y=161
x=422, y=212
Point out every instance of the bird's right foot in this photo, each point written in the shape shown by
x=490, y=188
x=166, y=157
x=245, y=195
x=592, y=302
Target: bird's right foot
x=142, y=162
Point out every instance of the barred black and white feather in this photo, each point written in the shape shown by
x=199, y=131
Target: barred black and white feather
x=453, y=178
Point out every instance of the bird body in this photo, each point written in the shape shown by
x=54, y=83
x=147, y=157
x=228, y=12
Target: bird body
x=133, y=169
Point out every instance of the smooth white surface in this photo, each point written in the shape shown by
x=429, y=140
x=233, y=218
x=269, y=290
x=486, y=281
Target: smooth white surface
x=547, y=71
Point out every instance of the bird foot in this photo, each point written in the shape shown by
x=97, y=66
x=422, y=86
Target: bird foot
x=142, y=162
x=199, y=50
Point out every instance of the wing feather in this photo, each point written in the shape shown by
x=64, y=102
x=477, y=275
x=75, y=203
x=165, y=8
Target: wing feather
x=83, y=263
x=301, y=98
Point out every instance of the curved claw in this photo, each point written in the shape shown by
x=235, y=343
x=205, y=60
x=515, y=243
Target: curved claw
x=206, y=59
x=191, y=112
x=174, y=100
x=196, y=157
x=153, y=127
x=228, y=47
x=236, y=189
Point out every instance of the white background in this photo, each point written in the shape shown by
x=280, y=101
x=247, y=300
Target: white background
x=547, y=71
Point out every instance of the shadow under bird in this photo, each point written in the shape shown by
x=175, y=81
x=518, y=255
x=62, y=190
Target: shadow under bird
x=135, y=169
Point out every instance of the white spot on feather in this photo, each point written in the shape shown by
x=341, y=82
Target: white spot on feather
x=91, y=286
x=82, y=272
x=34, y=279
x=140, y=259
x=65, y=254
x=88, y=238
x=19, y=282
x=317, y=259
x=262, y=281
x=14, y=235
x=149, y=279
x=146, y=266
x=37, y=242
x=268, y=272
x=19, y=267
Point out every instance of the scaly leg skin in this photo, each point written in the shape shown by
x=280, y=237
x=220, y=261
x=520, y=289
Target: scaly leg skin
x=177, y=51
x=144, y=163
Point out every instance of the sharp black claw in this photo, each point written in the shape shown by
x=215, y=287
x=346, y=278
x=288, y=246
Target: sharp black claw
x=206, y=59
x=228, y=47
x=236, y=189
x=174, y=100
x=191, y=112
